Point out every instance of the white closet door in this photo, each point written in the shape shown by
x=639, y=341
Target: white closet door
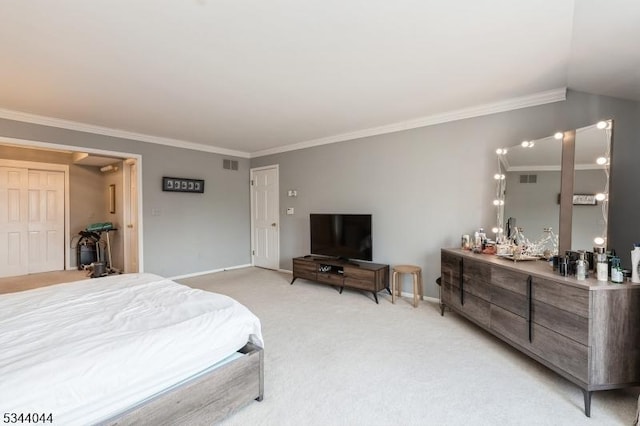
x=45, y=221
x=13, y=222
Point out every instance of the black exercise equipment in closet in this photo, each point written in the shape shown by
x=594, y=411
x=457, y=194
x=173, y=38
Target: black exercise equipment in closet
x=93, y=253
x=87, y=249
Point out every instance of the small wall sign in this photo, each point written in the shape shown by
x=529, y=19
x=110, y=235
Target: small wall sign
x=172, y=184
x=584, y=200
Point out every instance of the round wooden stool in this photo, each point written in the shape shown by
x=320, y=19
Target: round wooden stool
x=416, y=272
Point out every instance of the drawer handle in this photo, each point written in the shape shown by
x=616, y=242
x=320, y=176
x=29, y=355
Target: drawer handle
x=461, y=282
x=529, y=306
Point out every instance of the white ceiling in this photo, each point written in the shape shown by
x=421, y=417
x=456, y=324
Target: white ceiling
x=255, y=76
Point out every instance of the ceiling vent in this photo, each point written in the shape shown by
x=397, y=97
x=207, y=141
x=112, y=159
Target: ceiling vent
x=230, y=164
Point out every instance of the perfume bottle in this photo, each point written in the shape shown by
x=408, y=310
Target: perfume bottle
x=602, y=266
x=635, y=263
x=616, y=270
x=581, y=268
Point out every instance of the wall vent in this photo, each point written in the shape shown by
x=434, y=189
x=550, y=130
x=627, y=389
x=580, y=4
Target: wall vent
x=528, y=178
x=229, y=164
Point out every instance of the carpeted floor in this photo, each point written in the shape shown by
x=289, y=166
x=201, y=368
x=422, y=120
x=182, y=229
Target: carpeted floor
x=334, y=359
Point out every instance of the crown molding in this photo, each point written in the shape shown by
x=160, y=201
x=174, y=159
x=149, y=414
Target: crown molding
x=540, y=98
x=535, y=99
x=117, y=133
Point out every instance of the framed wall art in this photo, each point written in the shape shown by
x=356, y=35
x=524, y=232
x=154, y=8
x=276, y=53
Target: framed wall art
x=172, y=184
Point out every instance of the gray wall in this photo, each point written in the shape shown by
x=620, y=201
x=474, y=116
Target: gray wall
x=425, y=187
x=191, y=232
x=533, y=205
x=587, y=221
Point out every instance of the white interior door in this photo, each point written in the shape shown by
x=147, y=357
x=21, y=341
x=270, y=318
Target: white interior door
x=265, y=220
x=45, y=221
x=131, y=219
x=13, y=222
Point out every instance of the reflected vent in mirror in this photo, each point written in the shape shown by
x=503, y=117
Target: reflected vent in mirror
x=528, y=178
x=230, y=164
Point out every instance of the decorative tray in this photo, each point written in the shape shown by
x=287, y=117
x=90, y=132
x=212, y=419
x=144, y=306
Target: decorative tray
x=521, y=257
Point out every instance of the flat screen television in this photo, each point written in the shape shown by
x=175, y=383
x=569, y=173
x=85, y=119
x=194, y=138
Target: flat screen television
x=345, y=236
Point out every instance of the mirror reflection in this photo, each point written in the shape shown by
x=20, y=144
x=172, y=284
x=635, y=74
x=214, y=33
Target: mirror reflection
x=591, y=186
x=528, y=191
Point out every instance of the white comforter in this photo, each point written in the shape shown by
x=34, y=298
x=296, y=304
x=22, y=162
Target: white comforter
x=84, y=351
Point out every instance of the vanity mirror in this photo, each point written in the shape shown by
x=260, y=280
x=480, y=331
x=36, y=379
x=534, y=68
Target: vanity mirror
x=555, y=186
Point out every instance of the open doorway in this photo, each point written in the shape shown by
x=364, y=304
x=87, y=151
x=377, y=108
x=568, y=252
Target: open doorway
x=102, y=186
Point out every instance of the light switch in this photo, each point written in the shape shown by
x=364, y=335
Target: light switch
x=289, y=210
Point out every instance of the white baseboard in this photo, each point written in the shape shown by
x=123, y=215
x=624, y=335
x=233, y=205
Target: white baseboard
x=286, y=271
x=212, y=271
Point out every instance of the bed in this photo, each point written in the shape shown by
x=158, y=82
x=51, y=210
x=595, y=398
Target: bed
x=127, y=349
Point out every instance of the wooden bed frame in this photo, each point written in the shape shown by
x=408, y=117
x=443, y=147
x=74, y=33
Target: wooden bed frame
x=210, y=397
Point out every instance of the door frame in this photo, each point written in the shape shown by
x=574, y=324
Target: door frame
x=126, y=195
x=26, y=143
x=251, y=177
x=52, y=167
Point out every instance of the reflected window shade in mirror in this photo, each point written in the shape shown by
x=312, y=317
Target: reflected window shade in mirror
x=532, y=204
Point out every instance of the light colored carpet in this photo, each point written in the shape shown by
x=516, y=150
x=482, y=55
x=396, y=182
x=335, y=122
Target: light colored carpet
x=334, y=359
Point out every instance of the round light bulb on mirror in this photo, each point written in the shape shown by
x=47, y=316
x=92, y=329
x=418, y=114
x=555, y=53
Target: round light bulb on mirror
x=498, y=202
x=602, y=125
x=602, y=161
x=498, y=176
x=496, y=230
x=600, y=196
x=558, y=135
x=599, y=241
x=501, y=151
x=525, y=144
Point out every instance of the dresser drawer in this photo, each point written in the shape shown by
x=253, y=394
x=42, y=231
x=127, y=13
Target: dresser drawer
x=450, y=268
x=447, y=296
x=565, y=297
x=566, y=323
x=476, y=271
x=472, y=307
x=361, y=284
x=302, y=269
x=557, y=350
x=516, y=303
x=333, y=279
x=477, y=287
x=507, y=279
x=359, y=273
x=562, y=352
x=476, y=278
x=303, y=266
x=476, y=308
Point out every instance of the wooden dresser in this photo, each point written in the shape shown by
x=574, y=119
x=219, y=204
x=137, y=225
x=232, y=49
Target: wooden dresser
x=365, y=276
x=586, y=331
